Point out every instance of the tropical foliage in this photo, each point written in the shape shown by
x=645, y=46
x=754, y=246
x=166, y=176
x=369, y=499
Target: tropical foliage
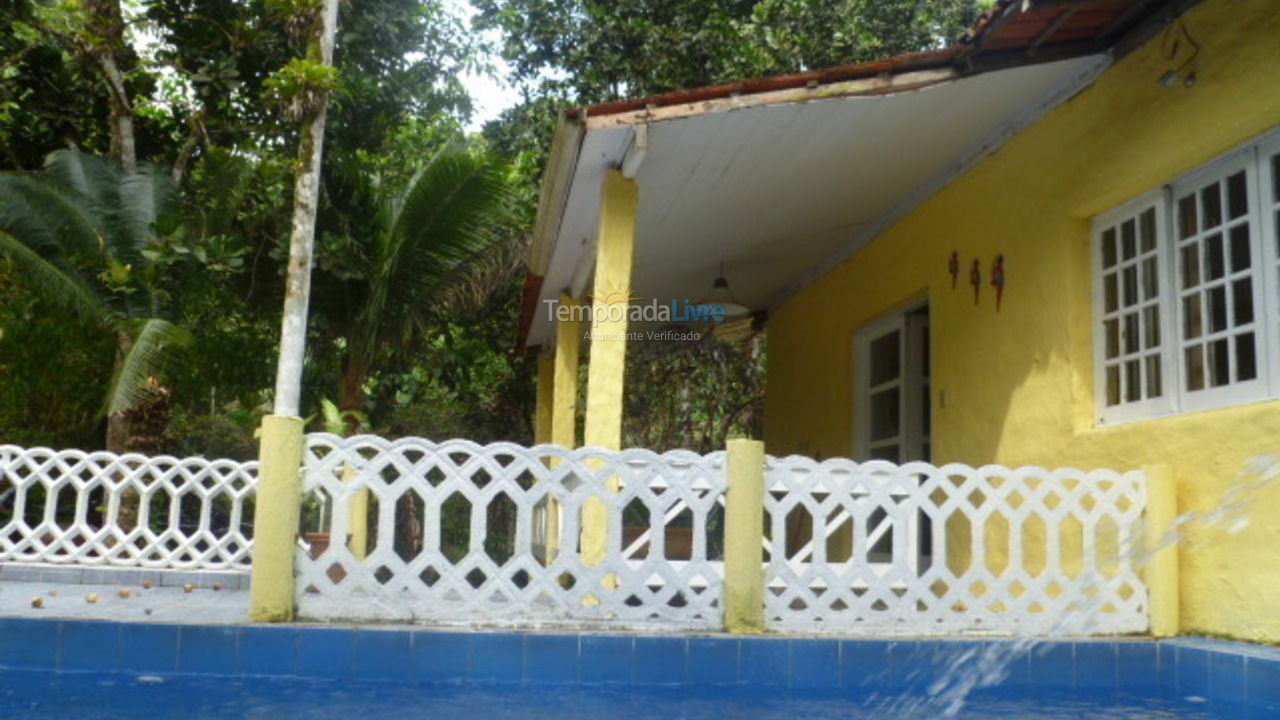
x=78, y=236
x=146, y=187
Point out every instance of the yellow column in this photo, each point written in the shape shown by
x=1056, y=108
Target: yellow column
x=612, y=289
x=275, y=519
x=546, y=381
x=564, y=403
x=357, y=517
x=743, y=537
x=1161, y=570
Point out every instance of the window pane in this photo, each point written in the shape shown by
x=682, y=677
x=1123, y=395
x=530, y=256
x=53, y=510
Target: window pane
x=1130, y=275
x=1147, y=231
x=1275, y=177
x=1192, y=323
x=1211, y=206
x=886, y=452
x=1187, y=217
x=1128, y=240
x=1112, y=333
x=1242, y=302
x=1246, y=358
x=1153, y=376
x=884, y=414
x=1132, y=381
x=1237, y=197
x=926, y=413
x=1150, y=279
x=1109, y=247
x=1131, y=334
x=1195, y=367
x=1190, y=266
x=885, y=359
x=1113, y=385
x=1111, y=299
x=1219, y=363
x=1217, y=299
x=1214, y=267
x=1241, y=250
x=1150, y=327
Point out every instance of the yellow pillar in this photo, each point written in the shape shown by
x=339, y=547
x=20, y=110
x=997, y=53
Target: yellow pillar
x=546, y=384
x=560, y=371
x=1161, y=570
x=564, y=403
x=619, y=199
x=743, y=537
x=275, y=519
x=357, y=517
x=610, y=295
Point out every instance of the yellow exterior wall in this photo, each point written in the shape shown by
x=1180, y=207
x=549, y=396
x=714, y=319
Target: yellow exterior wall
x=1019, y=384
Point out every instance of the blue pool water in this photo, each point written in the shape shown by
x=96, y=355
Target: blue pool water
x=30, y=695
x=103, y=670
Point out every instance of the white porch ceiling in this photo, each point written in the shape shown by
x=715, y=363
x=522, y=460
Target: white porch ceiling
x=778, y=192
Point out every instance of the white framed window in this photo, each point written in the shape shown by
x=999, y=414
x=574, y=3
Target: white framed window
x=1269, y=218
x=1131, y=362
x=1187, y=291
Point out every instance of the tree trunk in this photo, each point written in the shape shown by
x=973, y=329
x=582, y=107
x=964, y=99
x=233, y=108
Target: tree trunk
x=105, y=24
x=351, y=393
x=306, y=198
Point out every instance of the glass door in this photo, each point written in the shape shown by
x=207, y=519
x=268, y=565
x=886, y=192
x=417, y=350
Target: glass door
x=892, y=417
x=891, y=405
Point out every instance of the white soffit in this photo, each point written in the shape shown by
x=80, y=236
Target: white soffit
x=781, y=193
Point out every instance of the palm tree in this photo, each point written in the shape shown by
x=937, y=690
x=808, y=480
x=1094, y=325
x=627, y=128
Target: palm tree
x=420, y=253
x=424, y=244
x=77, y=234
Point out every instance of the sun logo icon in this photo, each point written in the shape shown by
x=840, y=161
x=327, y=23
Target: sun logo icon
x=618, y=295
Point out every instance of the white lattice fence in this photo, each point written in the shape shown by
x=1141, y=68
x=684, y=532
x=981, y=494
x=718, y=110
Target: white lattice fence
x=99, y=508
x=921, y=549
x=457, y=531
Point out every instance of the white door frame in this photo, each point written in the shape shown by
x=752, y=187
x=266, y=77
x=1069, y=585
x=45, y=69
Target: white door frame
x=913, y=377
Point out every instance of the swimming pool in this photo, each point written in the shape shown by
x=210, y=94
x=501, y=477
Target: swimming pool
x=87, y=669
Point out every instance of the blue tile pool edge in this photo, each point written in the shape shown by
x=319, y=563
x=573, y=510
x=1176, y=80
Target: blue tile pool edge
x=1231, y=673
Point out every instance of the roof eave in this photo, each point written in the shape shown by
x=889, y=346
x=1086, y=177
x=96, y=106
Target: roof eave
x=562, y=161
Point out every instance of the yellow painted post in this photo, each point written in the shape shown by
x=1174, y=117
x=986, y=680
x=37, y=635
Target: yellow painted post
x=743, y=537
x=546, y=391
x=357, y=517
x=564, y=403
x=1161, y=570
x=275, y=519
x=563, y=423
x=610, y=298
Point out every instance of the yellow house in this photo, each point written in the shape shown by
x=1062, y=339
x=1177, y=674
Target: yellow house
x=1056, y=243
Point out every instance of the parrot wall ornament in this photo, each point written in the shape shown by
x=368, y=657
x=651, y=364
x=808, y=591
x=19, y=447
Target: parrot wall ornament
x=997, y=279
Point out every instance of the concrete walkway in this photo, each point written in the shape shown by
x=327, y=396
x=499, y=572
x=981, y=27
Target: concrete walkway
x=61, y=600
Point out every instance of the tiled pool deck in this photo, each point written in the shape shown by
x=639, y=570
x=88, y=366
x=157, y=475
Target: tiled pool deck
x=160, y=603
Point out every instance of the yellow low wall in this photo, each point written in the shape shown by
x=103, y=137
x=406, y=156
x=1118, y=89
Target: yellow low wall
x=1016, y=387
